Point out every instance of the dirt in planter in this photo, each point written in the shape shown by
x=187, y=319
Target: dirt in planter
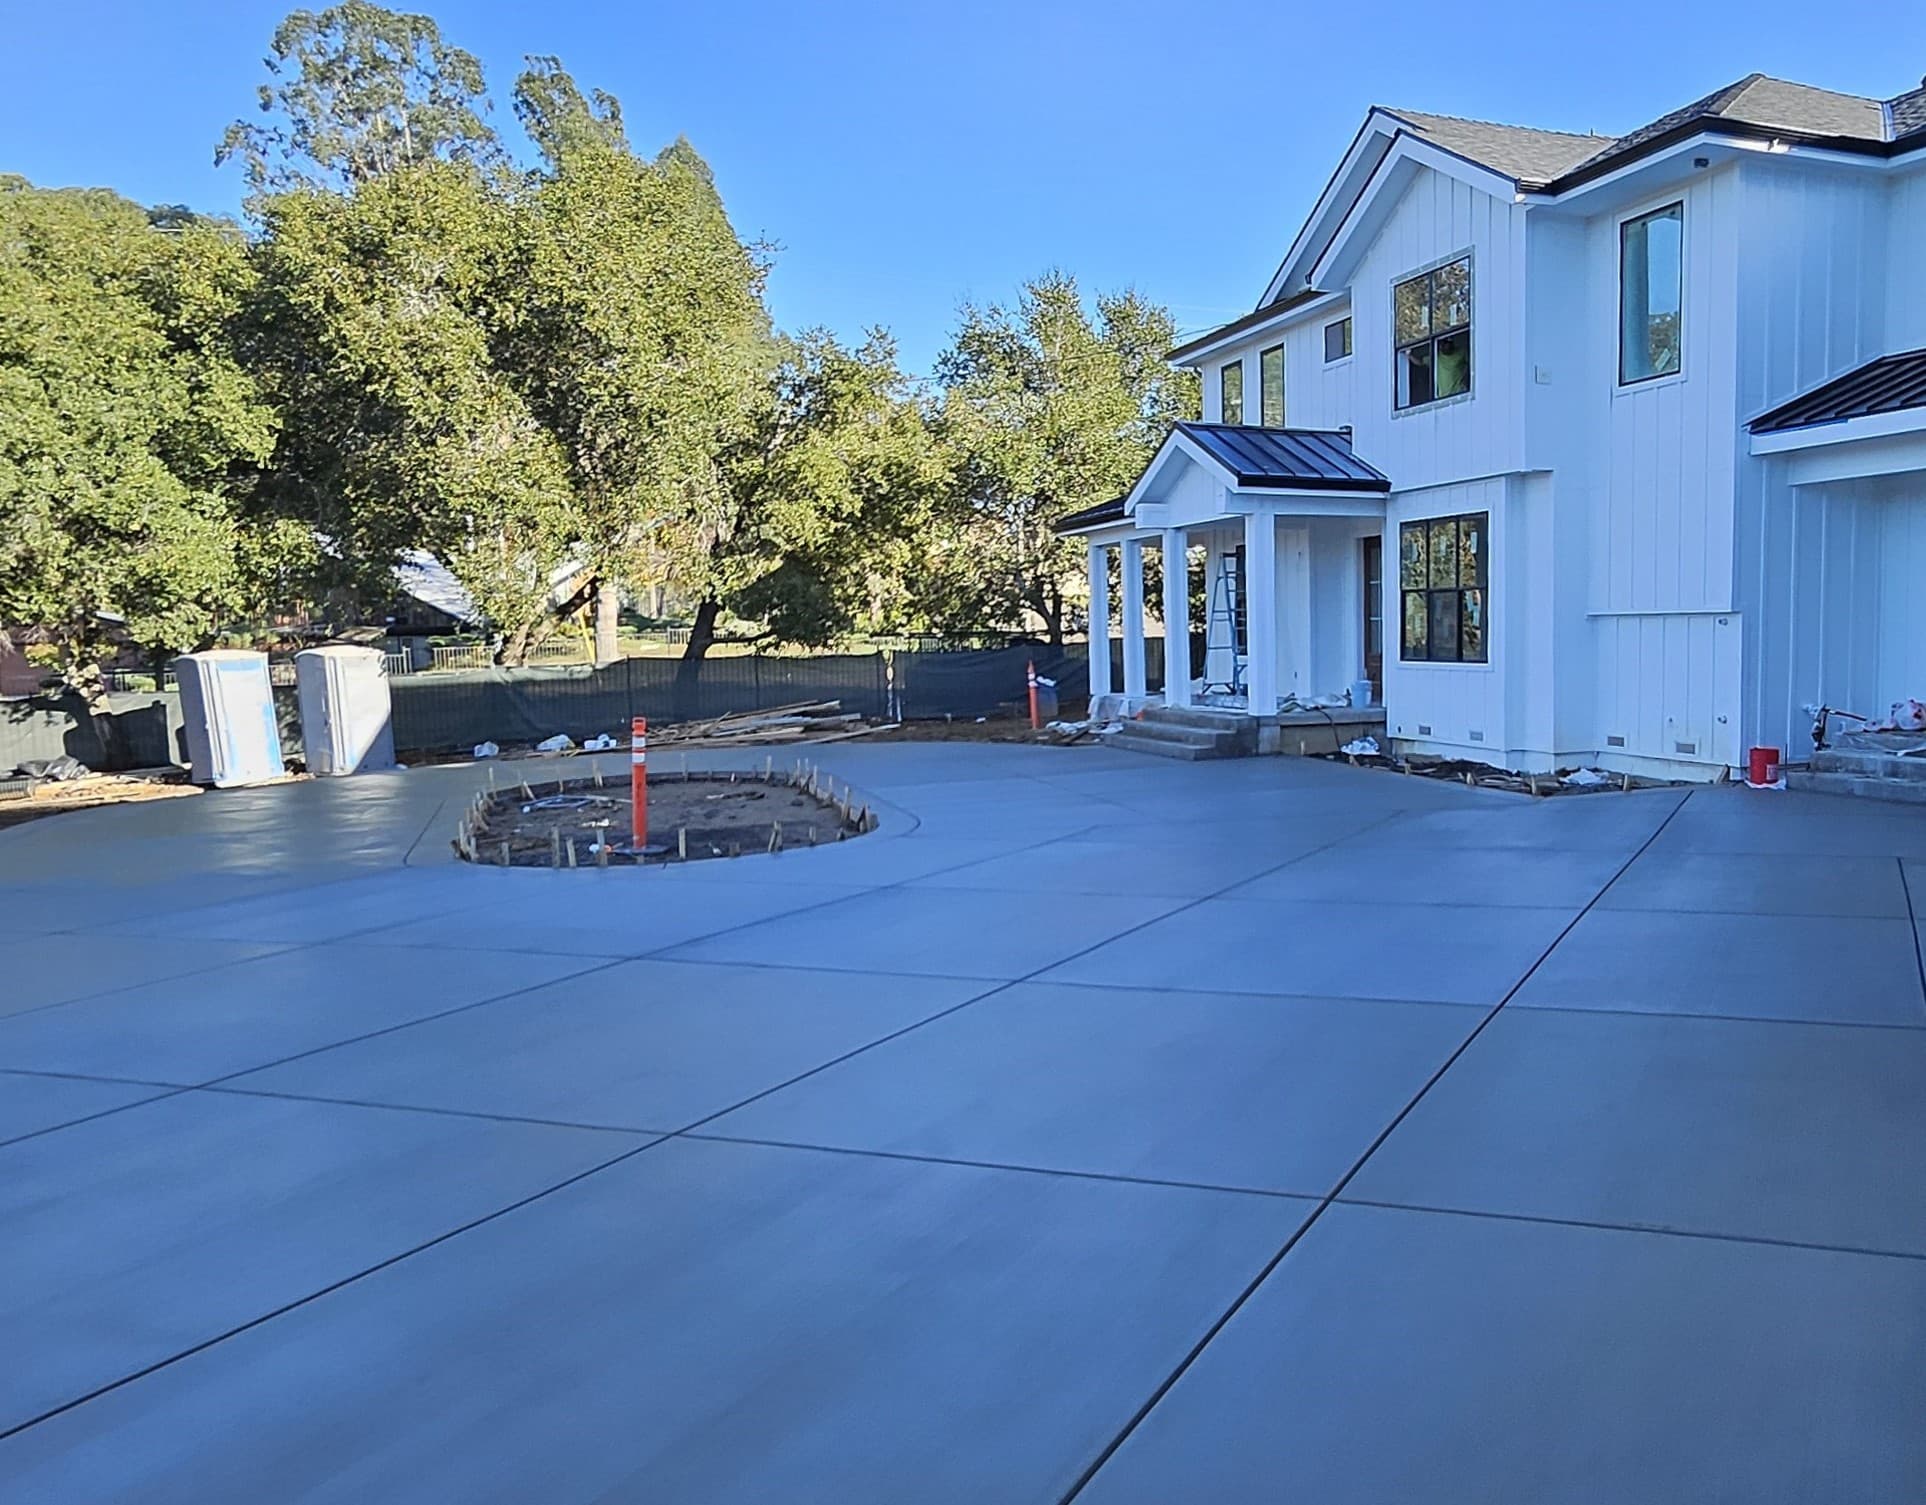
x=691, y=819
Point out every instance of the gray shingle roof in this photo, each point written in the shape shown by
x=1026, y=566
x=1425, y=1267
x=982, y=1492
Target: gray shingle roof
x=1521, y=152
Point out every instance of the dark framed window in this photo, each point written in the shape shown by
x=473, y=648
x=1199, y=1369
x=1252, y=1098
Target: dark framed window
x=1337, y=339
x=1651, y=287
x=1270, y=387
x=1230, y=391
x=1445, y=590
x=1431, y=323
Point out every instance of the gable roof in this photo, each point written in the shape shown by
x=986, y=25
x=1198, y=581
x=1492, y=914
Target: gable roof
x=1520, y=152
x=1889, y=384
x=1542, y=161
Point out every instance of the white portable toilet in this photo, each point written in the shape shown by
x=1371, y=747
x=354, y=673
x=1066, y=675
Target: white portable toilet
x=227, y=705
x=347, y=717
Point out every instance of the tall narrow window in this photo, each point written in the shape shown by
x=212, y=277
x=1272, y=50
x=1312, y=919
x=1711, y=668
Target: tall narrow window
x=1230, y=388
x=1337, y=339
x=1270, y=387
x=1650, y=294
x=1431, y=317
x=1444, y=579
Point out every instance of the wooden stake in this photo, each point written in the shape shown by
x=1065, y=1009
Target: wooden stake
x=505, y=861
x=775, y=836
x=571, y=851
x=555, y=846
x=682, y=842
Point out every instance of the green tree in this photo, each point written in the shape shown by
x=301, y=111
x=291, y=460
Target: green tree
x=1045, y=410
x=130, y=431
x=634, y=329
x=819, y=500
x=356, y=91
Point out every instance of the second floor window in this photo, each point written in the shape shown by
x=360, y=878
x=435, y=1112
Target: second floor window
x=1431, y=320
x=1650, y=286
x=1337, y=339
x=1270, y=387
x=1230, y=391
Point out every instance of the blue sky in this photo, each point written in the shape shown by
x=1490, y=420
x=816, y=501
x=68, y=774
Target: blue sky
x=906, y=157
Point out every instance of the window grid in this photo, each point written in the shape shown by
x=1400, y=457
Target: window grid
x=1337, y=339
x=1431, y=334
x=1444, y=588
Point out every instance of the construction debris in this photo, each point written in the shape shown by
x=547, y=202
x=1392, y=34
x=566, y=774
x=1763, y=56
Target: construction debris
x=805, y=721
x=716, y=814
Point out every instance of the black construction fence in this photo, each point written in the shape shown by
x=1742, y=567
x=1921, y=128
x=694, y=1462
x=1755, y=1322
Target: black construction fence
x=454, y=710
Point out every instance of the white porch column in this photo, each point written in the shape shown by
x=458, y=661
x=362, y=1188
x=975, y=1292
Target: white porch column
x=1099, y=619
x=1176, y=617
x=1132, y=586
x=1260, y=589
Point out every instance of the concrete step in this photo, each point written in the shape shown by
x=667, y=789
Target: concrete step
x=1867, y=763
x=1163, y=747
x=1203, y=717
x=1907, y=791
x=1172, y=731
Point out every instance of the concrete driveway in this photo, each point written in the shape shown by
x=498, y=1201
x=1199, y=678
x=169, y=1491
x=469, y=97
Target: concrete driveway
x=1099, y=1129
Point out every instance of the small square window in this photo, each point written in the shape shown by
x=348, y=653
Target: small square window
x=1337, y=340
x=1443, y=575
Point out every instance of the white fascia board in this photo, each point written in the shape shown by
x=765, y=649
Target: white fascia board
x=1390, y=177
x=1309, y=502
x=1845, y=431
x=1175, y=447
x=1100, y=534
x=1353, y=170
x=1281, y=320
x=1721, y=148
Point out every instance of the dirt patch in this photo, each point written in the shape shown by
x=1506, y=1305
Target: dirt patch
x=22, y=800
x=991, y=729
x=585, y=822
x=1565, y=781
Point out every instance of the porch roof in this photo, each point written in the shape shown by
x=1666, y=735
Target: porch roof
x=1286, y=459
x=1890, y=384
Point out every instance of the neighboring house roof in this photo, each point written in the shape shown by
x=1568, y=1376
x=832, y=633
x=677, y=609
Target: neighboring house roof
x=427, y=579
x=1111, y=511
x=1886, y=385
x=1552, y=161
x=1519, y=152
x=1291, y=459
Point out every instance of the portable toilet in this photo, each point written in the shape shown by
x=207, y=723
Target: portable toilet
x=227, y=707
x=347, y=717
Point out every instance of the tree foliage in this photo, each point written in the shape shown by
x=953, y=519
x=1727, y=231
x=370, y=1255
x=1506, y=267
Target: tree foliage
x=356, y=91
x=130, y=429
x=1046, y=410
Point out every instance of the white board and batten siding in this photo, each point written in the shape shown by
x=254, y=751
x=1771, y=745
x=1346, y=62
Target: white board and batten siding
x=1820, y=570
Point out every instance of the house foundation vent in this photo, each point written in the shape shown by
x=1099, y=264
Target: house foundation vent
x=1614, y=741
x=1689, y=749
x=1476, y=736
x=1423, y=730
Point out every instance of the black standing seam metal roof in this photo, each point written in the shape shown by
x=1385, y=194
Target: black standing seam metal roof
x=1111, y=511
x=1887, y=385
x=1286, y=459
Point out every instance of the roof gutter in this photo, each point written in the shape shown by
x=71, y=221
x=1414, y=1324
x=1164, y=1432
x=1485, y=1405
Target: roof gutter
x=1276, y=316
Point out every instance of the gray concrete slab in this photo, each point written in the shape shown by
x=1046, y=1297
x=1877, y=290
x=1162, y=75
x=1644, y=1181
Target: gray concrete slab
x=1508, y=876
x=134, y=1236
x=59, y=969
x=1422, y=952
x=881, y=1322
x=1716, y=1126
x=741, y=1325
x=1773, y=966
x=1280, y=1094
x=606, y=914
x=642, y=1045
x=247, y=1014
x=953, y=933
x=31, y=1104
x=1420, y=1358
x=1752, y=883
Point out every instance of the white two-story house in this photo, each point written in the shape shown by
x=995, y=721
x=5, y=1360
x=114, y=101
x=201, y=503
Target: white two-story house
x=1577, y=449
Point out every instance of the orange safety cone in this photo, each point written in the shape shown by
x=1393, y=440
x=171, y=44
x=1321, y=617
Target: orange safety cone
x=639, y=783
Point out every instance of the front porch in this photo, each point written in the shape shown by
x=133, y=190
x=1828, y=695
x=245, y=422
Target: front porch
x=1275, y=538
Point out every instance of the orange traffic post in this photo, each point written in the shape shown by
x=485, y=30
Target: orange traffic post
x=639, y=782
x=1031, y=666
